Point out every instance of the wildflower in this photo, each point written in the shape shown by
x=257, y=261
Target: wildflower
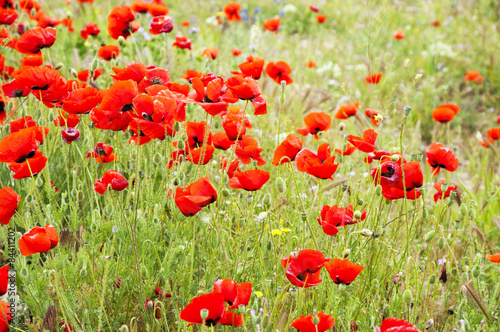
x=287, y=150
x=249, y=180
x=473, y=76
x=303, y=269
x=232, y=10
x=494, y=258
x=314, y=323
x=212, y=304
x=346, y=111
x=342, y=271
x=191, y=199
x=399, y=34
x=110, y=178
x=38, y=239
x=272, y=24
x=439, y=195
x=314, y=123
x=373, y=79
x=445, y=113
x=161, y=24
x=279, y=72
x=9, y=200
x=438, y=156
x=321, y=165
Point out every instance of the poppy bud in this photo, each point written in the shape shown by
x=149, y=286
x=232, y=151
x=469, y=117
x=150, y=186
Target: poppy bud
x=463, y=209
x=33, y=11
x=182, y=176
x=177, y=126
x=266, y=201
x=444, y=186
x=181, y=145
x=315, y=320
x=6, y=41
x=269, y=246
x=225, y=192
x=293, y=292
x=342, y=126
x=265, y=321
x=241, y=308
x=395, y=157
x=303, y=216
x=176, y=181
x=73, y=72
x=360, y=202
x=83, y=272
x=441, y=243
x=407, y=297
x=425, y=213
x=108, y=210
x=429, y=236
x=407, y=110
x=476, y=271
x=378, y=190
x=429, y=324
x=157, y=158
x=59, y=66
x=121, y=41
x=80, y=196
x=366, y=232
x=472, y=213
x=70, y=135
x=123, y=328
x=94, y=65
x=344, y=187
x=453, y=194
x=432, y=279
x=39, y=182
x=280, y=184
x=347, y=253
x=357, y=214
x=422, y=192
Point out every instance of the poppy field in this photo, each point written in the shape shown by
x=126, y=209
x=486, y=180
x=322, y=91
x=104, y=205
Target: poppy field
x=250, y=166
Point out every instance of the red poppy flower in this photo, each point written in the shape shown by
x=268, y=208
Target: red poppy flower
x=439, y=195
x=334, y=216
x=247, y=149
x=221, y=141
x=310, y=64
x=154, y=76
x=91, y=29
x=348, y=150
x=494, y=258
x=473, y=76
x=373, y=79
x=140, y=6
x=304, y=269
x=157, y=9
x=272, y=24
x=365, y=144
x=233, y=123
x=108, y=52
x=232, y=319
x=389, y=176
x=445, y=113
x=234, y=166
x=182, y=42
x=201, y=155
x=135, y=71
x=8, y=205
x=232, y=10
x=7, y=16
x=438, y=156
x=3, y=113
x=113, y=178
x=38, y=239
x=47, y=82
x=314, y=123
x=70, y=135
x=396, y=325
x=314, y=8
x=5, y=316
x=234, y=294
x=66, y=120
x=121, y=22
x=45, y=20
x=400, y=34
x=372, y=114
x=346, y=111
x=82, y=101
x=249, y=180
x=34, y=60
x=342, y=271
x=33, y=40
x=246, y=88
x=4, y=283
x=197, y=134
x=102, y=153
x=21, y=123
x=321, y=165
x=251, y=68
x=279, y=71
x=211, y=96
x=84, y=75
x=18, y=146
x=305, y=323
x=212, y=302
x=287, y=150
x=161, y=24
x=191, y=199
x=210, y=52
x=321, y=18
x=236, y=51
x=112, y=113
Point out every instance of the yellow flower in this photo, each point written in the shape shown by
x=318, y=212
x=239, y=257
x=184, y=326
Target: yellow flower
x=276, y=232
x=285, y=230
x=234, y=204
x=267, y=226
x=281, y=221
x=259, y=294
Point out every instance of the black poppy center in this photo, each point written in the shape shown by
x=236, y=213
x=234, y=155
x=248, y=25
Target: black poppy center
x=28, y=156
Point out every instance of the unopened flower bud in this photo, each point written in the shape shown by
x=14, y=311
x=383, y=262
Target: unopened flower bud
x=361, y=202
x=366, y=232
x=425, y=213
x=225, y=192
x=266, y=201
x=395, y=157
x=342, y=126
x=357, y=215
x=476, y=271
x=181, y=145
x=429, y=236
x=59, y=66
x=429, y=324
x=407, y=110
x=407, y=297
x=463, y=209
x=280, y=184
x=177, y=126
x=265, y=319
x=121, y=41
x=378, y=190
x=73, y=72
x=453, y=194
x=441, y=243
x=432, y=279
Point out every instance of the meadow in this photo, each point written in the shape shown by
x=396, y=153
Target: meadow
x=251, y=166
